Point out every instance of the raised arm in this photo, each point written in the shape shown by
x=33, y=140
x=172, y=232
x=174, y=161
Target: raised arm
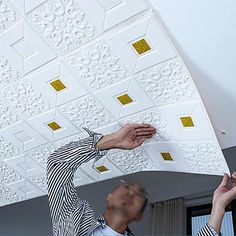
x=61, y=166
x=223, y=195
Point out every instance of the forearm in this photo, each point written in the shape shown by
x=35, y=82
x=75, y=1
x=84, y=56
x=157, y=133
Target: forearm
x=106, y=142
x=216, y=217
x=76, y=153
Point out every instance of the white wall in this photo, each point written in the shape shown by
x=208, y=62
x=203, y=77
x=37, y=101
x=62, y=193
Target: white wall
x=205, y=34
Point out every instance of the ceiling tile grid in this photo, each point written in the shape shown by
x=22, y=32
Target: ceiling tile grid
x=68, y=64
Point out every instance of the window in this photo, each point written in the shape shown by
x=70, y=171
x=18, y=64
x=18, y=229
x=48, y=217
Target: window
x=198, y=216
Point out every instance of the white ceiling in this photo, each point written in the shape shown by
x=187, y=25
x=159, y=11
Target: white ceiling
x=97, y=41
x=205, y=34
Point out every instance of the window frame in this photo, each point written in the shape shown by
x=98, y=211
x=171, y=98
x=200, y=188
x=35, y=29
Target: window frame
x=205, y=209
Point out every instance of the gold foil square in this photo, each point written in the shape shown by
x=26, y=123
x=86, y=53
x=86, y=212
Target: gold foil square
x=141, y=46
x=166, y=156
x=101, y=168
x=187, y=121
x=54, y=126
x=125, y=99
x=58, y=85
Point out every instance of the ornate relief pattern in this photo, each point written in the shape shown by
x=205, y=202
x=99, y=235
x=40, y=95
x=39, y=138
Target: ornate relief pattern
x=8, y=175
x=25, y=99
x=7, y=15
x=7, y=117
x=87, y=112
x=7, y=196
x=8, y=74
x=153, y=117
x=131, y=161
x=7, y=150
x=204, y=157
x=40, y=181
x=63, y=24
x=97, y=66
x=41, y=154
x=167, y=83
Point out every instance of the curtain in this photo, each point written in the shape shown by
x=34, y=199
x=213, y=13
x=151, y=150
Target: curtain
x=169, y=218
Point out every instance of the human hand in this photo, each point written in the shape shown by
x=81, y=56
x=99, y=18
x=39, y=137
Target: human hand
x=225, y=192
x=133, y=135
x=222, y=196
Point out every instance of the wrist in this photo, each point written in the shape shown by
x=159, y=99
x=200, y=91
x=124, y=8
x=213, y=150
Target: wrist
x=216, y=217
x=106, y=142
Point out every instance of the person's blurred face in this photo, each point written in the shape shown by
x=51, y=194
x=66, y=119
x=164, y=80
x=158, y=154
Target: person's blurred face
x=129, y=199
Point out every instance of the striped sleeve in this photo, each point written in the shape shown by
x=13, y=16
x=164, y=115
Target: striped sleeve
x=61, y=166
x=207, y=230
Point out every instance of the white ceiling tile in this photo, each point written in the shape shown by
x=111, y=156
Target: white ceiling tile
x=41, y=154
x=7, y=115
x=24, y=99
x=91, y=170
x=112, y=63
x=195, y=110
x=24, y=48
x=7, y=196
x=108, y=97
x=8, y=175
x=106, y=14
x=97, y=66
x=23, y=136
x=154, y=151
x=16, y=164
x=154, y=117
x=40, y=181
x=8, y=73
x=40, y=124
x=131, y=161
x=7, y=149
x=204, y=156
x=168, y=82
x=9, y=15
x=150, y=30
x=80, y=178
x=87, y=111
x=43, y=79
x=62, y=24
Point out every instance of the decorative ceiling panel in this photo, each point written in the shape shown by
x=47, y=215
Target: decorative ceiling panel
x=68, y=64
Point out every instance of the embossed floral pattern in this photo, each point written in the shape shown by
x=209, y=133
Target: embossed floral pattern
x=7, y=117
x=131, y=161
x=25, y=100
x=153, y=117
x=41, y=154
x=204, y=157
x=98, y=67
x=8, y=74
x=40, y=181
x=63, y=24
x=7, y=15
x=7, y=196
x=7, y=150
x=167, y=83
x=87, y=112
x=8, y=175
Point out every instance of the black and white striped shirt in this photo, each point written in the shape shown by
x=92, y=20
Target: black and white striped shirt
x=70, y=215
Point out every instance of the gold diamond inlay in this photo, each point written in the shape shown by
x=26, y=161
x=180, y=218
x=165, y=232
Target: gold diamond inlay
x=166, y=156
x=101, y=168
x=141, y=46
x=187, y=121
x=58, y=85
x=125, y=99
x=54, y=126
